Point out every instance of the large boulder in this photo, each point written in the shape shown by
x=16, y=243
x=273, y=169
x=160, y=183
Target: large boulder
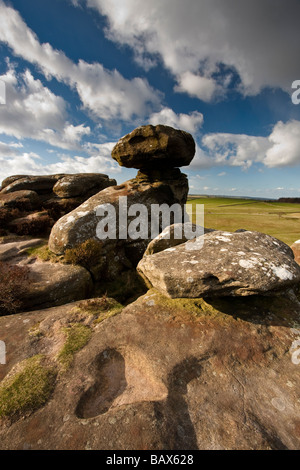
x=41, y=184
x=22, y=200
x=162, y=374
x=10, y=179
x=81, y=224
x=222, y=263
x=52, y=284
x=71, y=186
x=155, y=147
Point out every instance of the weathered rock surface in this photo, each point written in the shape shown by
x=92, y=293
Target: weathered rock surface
x=163, y=375
x=243, y=263
x=52, y=284
x=31, y=224
x=20, y=200
x=82, y=183
x=174, y=235
x=155, y=147
x=48, y=284
x=40, y=184
x=18, y=248
x=57, y=194
x=10, y=179
x=296, y=249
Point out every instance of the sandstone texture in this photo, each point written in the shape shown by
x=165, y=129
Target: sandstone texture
x=23, y=197
x=155, y=147
x=47, y=283
x=296, y=249
x=53, y=284
x=161, y=375
x=82, y=183
x=174, y=235
x=40, y=184
x=222, y=263
x=19, y=200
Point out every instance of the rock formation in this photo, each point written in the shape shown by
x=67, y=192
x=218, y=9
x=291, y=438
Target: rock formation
x=157, y=151
x=53, y=195
x=207, y=358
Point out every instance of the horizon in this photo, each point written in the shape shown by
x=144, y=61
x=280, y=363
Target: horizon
x=77, y=75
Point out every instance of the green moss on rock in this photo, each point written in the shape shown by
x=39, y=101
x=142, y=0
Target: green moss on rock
x=28, y=388
x=101, y=308
x=43, y=253
x=77, y=336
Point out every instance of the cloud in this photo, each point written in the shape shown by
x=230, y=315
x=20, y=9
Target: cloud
x=281, y=148
x=285, y=145
x=236, y=149
x=258, y=39
x=33, y=111
x=104, y=93
x=187, y=122
x=13, y=161
x=197, y=86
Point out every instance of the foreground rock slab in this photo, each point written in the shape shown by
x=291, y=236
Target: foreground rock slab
x=163, y=374
x=243, y=263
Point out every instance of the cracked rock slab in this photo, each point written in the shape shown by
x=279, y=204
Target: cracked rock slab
x=222, y=263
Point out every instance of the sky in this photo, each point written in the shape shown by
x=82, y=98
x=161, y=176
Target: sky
x=77, y=75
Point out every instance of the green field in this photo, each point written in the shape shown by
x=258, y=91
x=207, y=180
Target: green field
x=281, y=220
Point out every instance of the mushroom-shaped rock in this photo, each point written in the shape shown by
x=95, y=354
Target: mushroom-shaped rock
x=155, y=147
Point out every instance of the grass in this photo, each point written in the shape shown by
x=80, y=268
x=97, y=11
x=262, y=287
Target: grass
x=43, y=253
x=77, y=336
x=28, y=389
x=278, y=219
x=101, y=308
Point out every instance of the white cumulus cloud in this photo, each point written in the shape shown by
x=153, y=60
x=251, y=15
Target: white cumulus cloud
x=259, y=39
x=33, y=111
x=104, y=93
x=187, y=122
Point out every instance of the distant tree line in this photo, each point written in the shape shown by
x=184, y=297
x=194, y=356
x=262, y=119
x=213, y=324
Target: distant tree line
x=295, y=200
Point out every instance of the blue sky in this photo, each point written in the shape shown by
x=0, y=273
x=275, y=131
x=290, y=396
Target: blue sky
x=79, y=74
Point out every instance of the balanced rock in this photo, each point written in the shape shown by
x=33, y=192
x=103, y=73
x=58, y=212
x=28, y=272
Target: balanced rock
x=222, y=263
x=82, y=183
x=296, y=249
x=155, y=147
